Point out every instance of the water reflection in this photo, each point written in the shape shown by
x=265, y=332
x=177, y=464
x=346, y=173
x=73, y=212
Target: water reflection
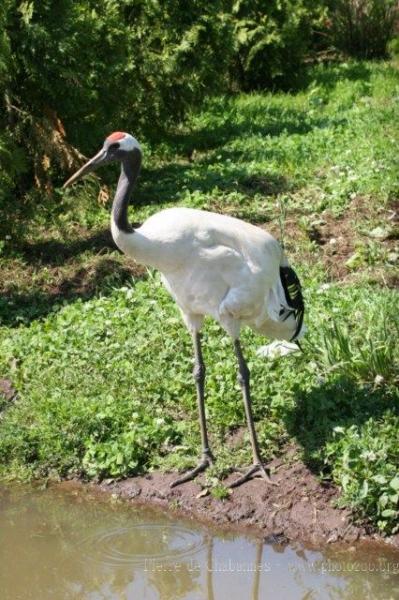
x=70, y=545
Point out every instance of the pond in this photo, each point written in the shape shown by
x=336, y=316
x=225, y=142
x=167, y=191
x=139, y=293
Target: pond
x=63, y=544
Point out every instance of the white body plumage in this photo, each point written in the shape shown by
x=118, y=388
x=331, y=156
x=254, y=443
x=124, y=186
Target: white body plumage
x=214, y=265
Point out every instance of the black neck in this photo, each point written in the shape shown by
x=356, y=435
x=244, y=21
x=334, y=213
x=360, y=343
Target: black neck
x=130, y=168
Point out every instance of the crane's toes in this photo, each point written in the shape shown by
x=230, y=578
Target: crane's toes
x=257, y=470
x=202, y=466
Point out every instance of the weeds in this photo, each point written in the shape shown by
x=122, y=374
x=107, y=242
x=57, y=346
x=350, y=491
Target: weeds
x=220, y=492
x=365, y=464
x=373, y=359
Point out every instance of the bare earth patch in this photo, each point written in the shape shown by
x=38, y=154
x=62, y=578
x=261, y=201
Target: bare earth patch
x=7, y=390
x=51, y=270
x=299, y=508
x=335, y=239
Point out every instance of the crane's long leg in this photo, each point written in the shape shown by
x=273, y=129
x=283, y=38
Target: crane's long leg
x=257, y=468
x=199, y=377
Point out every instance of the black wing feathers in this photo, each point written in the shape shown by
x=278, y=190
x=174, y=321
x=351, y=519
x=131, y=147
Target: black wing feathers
x=293, y=295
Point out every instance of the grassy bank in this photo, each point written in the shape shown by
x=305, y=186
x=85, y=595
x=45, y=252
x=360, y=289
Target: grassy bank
x=94, y=347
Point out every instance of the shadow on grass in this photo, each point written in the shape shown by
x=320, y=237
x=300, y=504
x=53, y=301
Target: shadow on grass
x=228, y=122
x=341, y=404
x=228, y=169
x=231, y=121
x=96, y=277
x=160, y=186
x=332, y=74
x=207, y=161
x=57, y=252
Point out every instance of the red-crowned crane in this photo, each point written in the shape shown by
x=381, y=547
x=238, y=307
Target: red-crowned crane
x=212, y=265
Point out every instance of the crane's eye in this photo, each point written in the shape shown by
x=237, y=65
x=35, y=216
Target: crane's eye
x=113, y=147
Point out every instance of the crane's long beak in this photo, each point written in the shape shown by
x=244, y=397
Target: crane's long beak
x=97, y=160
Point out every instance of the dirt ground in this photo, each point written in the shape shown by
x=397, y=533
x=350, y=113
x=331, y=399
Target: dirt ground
x=300, y=508
x=336, y=238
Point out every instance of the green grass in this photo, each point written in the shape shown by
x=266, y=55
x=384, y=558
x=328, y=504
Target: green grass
x=96, y=349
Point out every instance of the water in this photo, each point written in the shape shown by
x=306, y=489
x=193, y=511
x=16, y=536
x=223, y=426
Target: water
x=63, y=544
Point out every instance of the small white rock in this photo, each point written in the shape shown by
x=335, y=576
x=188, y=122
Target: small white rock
x=323, y=288
x=380, y=233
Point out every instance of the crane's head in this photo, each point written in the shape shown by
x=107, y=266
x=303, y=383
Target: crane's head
x=118, y=146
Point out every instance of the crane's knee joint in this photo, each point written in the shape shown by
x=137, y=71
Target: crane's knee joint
x=199, y=372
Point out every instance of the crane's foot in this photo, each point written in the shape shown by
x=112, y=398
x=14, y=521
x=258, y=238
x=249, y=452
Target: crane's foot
x=207, y=460
x=257, y=470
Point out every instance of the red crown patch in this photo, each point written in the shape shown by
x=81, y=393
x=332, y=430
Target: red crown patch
x=117, y=135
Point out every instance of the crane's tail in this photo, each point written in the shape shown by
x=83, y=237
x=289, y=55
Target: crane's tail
x=294, y=298
x=286, y=309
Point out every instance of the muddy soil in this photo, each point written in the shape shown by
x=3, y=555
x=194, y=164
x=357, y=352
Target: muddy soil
x=299, y=508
